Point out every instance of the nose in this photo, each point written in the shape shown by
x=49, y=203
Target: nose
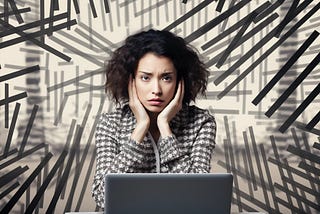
x=156, y=90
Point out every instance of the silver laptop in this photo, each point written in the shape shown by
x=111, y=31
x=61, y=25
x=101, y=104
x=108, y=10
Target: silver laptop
x=154, y=193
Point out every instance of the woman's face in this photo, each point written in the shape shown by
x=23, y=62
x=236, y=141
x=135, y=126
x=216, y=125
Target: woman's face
x=156, y=80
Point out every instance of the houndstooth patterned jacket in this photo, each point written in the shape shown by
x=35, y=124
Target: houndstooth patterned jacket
x=188, y=150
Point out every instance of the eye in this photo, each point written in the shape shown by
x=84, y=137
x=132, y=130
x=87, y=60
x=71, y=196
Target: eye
x=167, y=78
x=144, y=78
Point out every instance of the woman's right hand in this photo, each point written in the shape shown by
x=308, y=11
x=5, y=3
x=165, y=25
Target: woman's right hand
x=141, y=115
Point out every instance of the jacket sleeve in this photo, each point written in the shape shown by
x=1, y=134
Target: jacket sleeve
x=196, y=161
x=110, y=158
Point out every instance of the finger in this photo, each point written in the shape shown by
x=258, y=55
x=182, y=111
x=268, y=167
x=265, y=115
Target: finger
x=130, y=87
x=178, y=92
x=182, y=91
x=134, y=89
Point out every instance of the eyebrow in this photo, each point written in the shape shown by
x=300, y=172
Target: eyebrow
x=163, y=74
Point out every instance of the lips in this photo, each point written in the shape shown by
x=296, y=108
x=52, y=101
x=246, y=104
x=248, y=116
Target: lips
x=155, y=101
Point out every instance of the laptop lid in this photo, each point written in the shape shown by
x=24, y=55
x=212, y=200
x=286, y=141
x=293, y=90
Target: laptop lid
x=151, y=193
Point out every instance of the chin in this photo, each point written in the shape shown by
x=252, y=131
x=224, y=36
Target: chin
x=154, y=109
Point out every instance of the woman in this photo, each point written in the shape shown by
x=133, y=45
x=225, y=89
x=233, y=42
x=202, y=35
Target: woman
x=154, y=129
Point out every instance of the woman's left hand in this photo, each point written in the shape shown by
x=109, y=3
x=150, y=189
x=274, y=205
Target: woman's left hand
x=170, y=111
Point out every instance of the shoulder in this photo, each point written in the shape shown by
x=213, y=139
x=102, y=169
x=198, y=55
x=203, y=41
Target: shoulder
x=193, y=116
x=115, y=117
x=194, y=113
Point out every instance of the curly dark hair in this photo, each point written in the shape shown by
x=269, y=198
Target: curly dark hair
x=162, y=43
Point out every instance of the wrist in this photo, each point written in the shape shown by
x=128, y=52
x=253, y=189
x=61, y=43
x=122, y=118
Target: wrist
x=164, y=129
x=140, y=131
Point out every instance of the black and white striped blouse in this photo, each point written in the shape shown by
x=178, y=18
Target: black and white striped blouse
x=188, y=150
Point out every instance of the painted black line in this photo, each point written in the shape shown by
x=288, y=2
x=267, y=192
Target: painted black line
x=307, y=147
x=314, y=121
x=246, y=166
x=301, y=186
x=303, y=154
x=95, y=42
x=300, y=109
x=98, y=35
x=106, y=6
x=7, y=208
x=16, y=11
x=11, y=129
x=19, y=73
x=316, y=145
x=235, y=177
x=64, y=178
x=56, y=5
x=220, y=5
x=258, y=164
x=233, y=28
x=90, y=168
x=211, y=24
x=235, y=40
x=51, y=14
x=188, y=15
x=294, y=188
x=246, y=37
x=77, y=51
x=254, y=201
x=72, y=81
x=309, y=168
x=284, y=96
x=35, y=41
x=26, y=153
x=223, y=25
x=6, y=106
x=247, y=148
x=268, y=11
x=28, y=129
x=245, y=206
x=9, y=153
x=269, y=177
x=280, y=166
x=35, y=34
x=93, y=9
x=263, y=56
x=24, y=10
x=61, y=108
x=298, y=197
x=34, y=24
x=6, y=10
x=291, y=207
x=46, y=182
x=76, y=6
x=9, y=189
x=86, y=180
x=13, y=98
x=292, y=13
x=302, y=126
x=66, y=147
x=294, y=170
x=86, y=115
x=226, y=157
x=69, y=12
x=8, y=177
x=285, y=68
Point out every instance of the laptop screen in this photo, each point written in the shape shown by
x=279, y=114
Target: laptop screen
x=155, y=193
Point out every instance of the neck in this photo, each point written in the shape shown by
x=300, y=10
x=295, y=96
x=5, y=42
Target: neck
x=154, y=130
x=153, y=120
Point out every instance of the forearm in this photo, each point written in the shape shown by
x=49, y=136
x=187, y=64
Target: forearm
x=165, y=130
x=140, y=132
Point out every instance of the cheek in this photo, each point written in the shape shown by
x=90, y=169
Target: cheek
x=171, y=91
x=140, y=90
